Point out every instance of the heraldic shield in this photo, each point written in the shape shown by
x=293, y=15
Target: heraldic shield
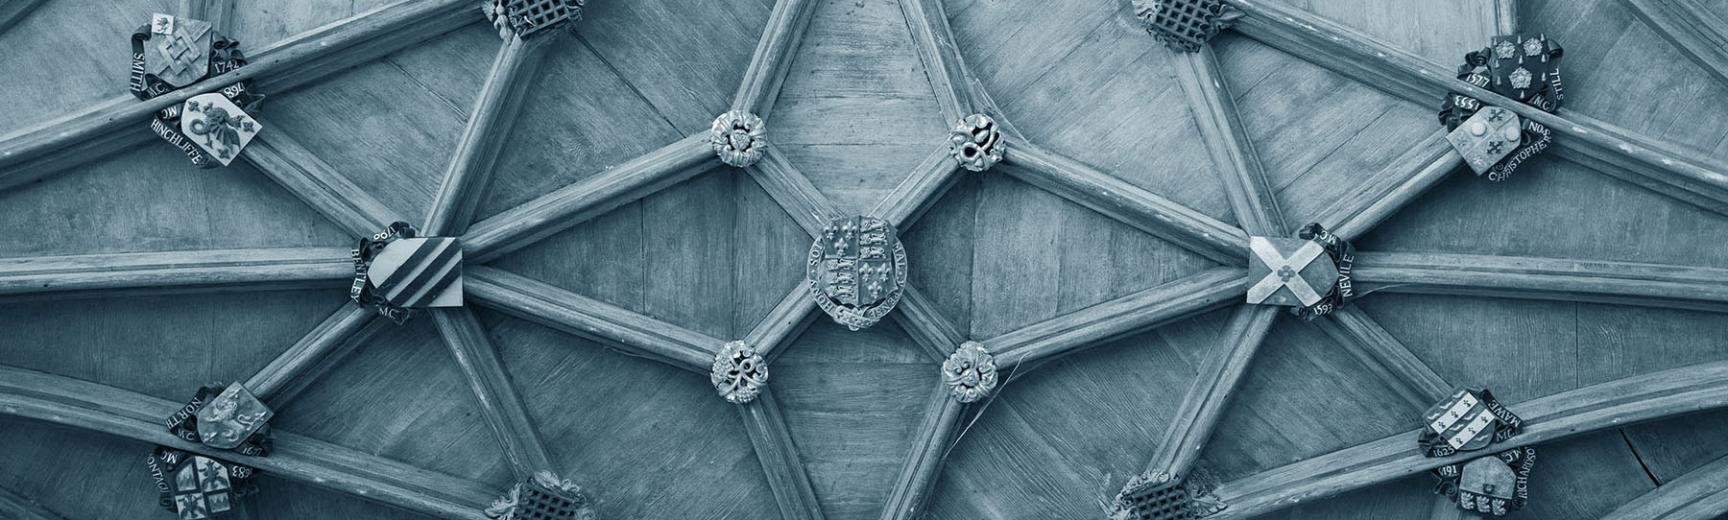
x=1487, y=137
x=179, y=50
x=857, y=270
x=202, y=489
x=1463, y=421
x=233, y=416
x=1522, y=67
x=418, y=272
x=218, y=126
x=1288, y=271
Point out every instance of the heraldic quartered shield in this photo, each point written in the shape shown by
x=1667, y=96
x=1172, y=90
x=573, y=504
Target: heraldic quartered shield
x=181, y=55
x=218, y=126
x=857, y=270
x=1288, y=271
x=418, y=272
x=1487, y=137
x=202, y=488
x=233, y=416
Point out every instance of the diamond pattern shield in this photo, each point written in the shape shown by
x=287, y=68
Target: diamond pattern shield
x=1288, y=271
x=1463, y=420
x=217, y=126
x=418, y=273
x=181, y=57
x=1487, y=137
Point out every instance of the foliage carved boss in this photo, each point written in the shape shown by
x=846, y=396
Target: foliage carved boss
x=857, y=270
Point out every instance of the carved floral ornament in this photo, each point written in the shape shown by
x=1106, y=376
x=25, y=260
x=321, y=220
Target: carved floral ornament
x=739, y=373
x=970, y=372
x=1184, y=25
x=739, y=138
x=857, y=270
x=977, y=142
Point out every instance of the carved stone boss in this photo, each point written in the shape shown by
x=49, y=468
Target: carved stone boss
x=1184, y=25
x=1162, y=496
x=857, y=270
x=525, y=18
x=977, y=143
x=738, y=373
x=542, y=497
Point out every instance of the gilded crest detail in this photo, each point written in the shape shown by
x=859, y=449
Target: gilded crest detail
x=857, y=270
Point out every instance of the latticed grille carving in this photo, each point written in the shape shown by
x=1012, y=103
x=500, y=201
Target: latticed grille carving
x=530, y=16
x=1183, y=25
x=540, y=503
x=1169, y=501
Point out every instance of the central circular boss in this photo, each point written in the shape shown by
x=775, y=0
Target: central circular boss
x=857, y=270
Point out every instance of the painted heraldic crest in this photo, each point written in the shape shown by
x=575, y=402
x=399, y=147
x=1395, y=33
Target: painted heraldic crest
x=1487, y=138
x=202, y=489
x=181, y=56
x=1289, y=271
x=1465, y=421
x=857, y=270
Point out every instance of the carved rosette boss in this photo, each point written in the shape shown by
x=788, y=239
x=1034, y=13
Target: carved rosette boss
x=977, y=142
x=970, y=372
x=739, y=373
x=739, y=138
x=1184, y=25
x=857, y=270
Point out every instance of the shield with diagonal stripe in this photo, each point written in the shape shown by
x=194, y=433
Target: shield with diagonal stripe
x=1463, y=421
x=418, y=272
x=1288, y=271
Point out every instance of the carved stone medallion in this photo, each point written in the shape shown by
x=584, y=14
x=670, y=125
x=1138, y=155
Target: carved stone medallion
x=218, y=126
x=970, y=372
x=180, y=57
x=1289, y=271
x=233, y=416
x=857, y=270
x=418, y=272
x=1487, y=137
x=739, y=138
x=543, y=497
x=977, y=143
x=739, y=373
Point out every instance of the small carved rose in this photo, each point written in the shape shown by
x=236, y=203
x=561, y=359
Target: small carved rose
x=739, y=138
x=739, y=373
x=970, y=372
x=977, y=142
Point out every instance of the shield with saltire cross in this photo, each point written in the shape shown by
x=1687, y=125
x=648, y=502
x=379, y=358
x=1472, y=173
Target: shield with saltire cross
x=1288, y=271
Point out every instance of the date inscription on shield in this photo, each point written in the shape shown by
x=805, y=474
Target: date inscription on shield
x=857, y=270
